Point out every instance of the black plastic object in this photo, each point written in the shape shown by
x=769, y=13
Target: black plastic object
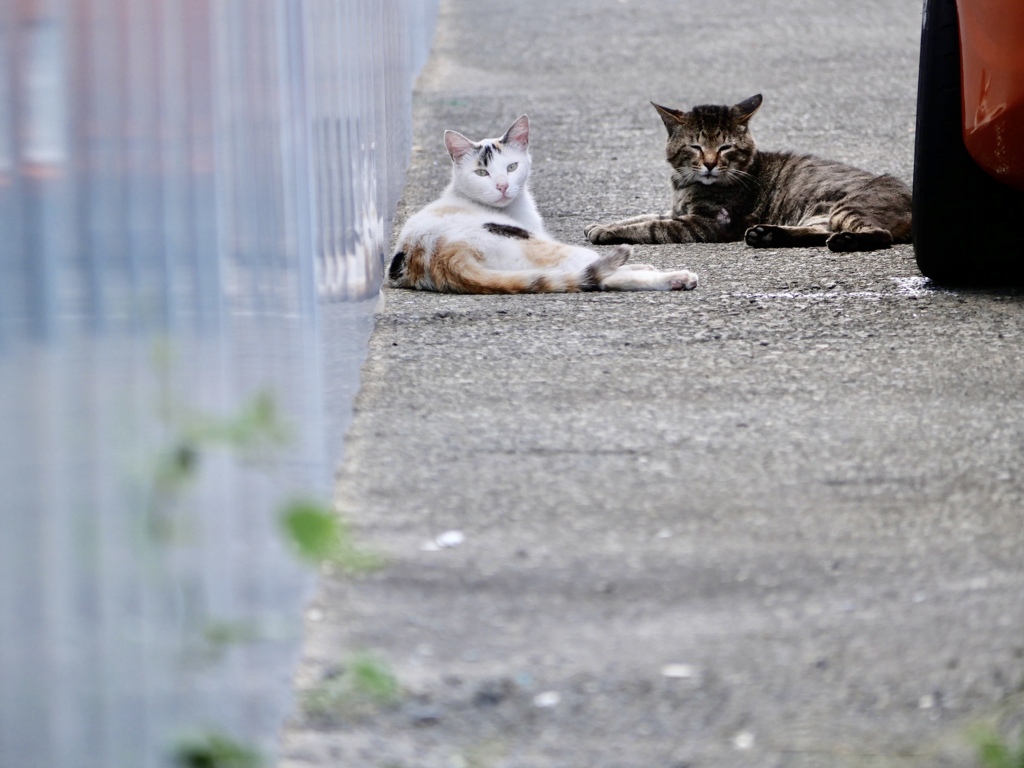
x=968, y=228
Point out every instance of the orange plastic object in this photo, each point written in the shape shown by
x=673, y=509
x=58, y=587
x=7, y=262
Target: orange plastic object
x=992, y=68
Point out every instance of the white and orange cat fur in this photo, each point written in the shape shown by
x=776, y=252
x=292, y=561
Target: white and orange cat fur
x=484, y=234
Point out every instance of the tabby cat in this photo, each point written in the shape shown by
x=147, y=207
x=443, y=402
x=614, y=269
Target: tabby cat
x=484, y=234
x=724, y=189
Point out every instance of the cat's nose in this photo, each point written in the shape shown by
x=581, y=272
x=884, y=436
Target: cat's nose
x=501, y=187
x=710, y=165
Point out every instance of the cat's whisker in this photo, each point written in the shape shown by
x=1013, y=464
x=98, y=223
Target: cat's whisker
x=742, y=178
x=688, y=176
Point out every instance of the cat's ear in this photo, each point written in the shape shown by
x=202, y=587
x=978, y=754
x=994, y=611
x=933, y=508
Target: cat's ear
x=746, y=108
x=671, y=117
x=458, y=145
x=519, y=133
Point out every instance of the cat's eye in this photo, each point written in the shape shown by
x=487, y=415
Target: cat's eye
x=698, y=147
x=512, y=167
x=725, y=147
x=481, y=172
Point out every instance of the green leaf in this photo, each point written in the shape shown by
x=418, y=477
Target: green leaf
x=319, y=535
x=224, y=633
x=364, y=687
x=314, y=531
x=255, y=426
x=373, y=679
x=995, y=752
x=214, y=750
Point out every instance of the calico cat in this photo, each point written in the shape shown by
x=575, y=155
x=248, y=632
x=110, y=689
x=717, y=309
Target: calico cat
x=724, y=189
x=484, y=234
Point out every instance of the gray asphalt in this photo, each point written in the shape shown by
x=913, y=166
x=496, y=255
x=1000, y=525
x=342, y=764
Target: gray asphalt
x=771, y=522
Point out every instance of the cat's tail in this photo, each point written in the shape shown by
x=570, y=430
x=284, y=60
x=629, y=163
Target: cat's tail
x=606, y=265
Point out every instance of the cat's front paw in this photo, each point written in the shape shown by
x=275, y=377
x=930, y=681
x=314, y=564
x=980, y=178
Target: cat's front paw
x=760, y=236
x=599, y=234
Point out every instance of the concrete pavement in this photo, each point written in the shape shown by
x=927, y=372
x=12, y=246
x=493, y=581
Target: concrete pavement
x=771, y=522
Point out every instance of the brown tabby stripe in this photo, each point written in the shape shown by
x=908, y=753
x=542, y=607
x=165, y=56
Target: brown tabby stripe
x=686, y=229
x=847, y=220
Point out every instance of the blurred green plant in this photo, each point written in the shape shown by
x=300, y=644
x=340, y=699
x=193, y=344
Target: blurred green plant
x=218, y=636
x=362, y=687
x=316, y=533
x=319, y=535
x=255, y=427
x=373, y=679
x=485, y=754
x=215, y=750
x=995, y=751
x=250, y=434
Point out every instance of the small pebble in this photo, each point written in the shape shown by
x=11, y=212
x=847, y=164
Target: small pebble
x=450, y=539
x=743, y=740
x=678, y=671
x=547, y=699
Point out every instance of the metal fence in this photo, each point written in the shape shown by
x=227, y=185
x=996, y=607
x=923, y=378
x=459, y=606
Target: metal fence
x=191, y=191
